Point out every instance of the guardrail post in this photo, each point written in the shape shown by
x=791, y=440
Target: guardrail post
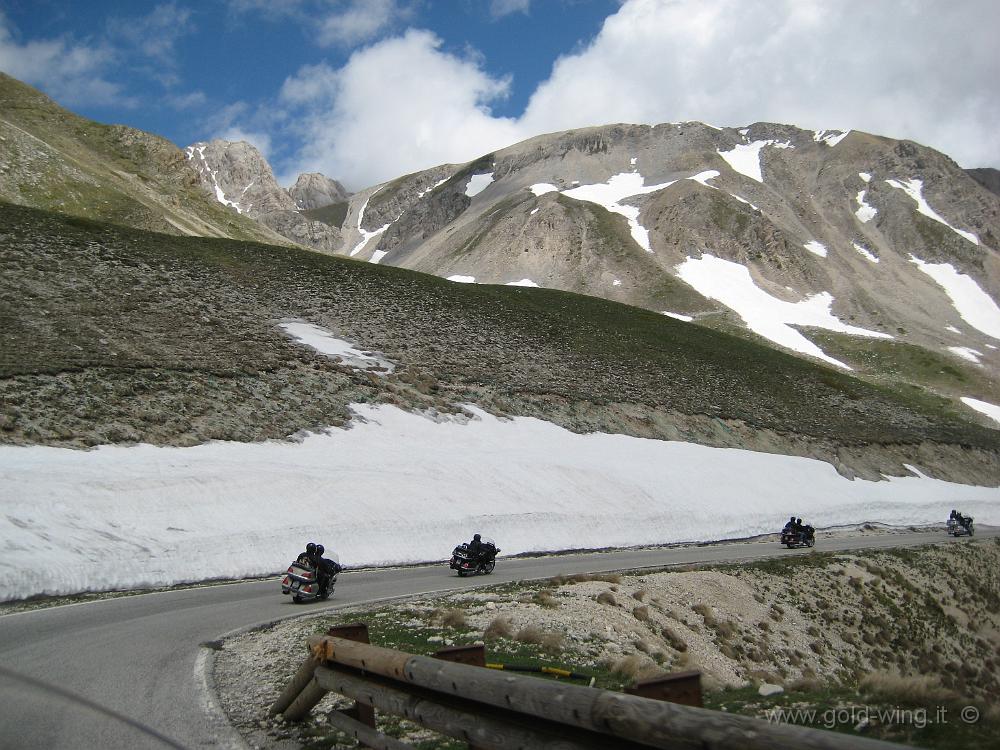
x=472, y=655
x=358, y=632
x=677, y=687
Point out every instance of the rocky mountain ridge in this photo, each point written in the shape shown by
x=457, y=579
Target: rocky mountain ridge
x=237, y=174
x=53, y=159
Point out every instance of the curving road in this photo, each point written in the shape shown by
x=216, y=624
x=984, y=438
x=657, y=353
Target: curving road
x=130, y=672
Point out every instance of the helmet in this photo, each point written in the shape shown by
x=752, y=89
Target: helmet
x=792, y=519
x=320, y=549
x=798, y=521
x=476, y=537
x=310, y=548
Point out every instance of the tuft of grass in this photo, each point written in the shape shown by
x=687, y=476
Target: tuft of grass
x=499, y=627
x=606, y=597
x=641, y=613
x=913, y=690
x=450, y=617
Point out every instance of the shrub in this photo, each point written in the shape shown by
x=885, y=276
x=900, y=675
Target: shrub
x=606, y=597
x=499, y=627
x=451, y=618
x=921, y=690
x=641, y=613
x=675, y=641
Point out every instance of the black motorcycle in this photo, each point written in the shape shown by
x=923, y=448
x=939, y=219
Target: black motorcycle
x=793, y=538
x=466, y=563
x=961, y=526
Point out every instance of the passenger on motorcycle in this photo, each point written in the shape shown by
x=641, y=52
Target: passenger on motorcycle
x=306, y=558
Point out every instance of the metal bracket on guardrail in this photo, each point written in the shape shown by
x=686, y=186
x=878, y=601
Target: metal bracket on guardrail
x=678, y=687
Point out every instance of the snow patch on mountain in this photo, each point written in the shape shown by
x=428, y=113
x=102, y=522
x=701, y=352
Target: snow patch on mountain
x=678, y=316
x=618, y=188
x=954, y=330
x=151, y=516
x=731, y=284
x=974, y=305
x=324, y=342
x=914, y=188
x=522, y=282
x=830, y=137
x=462, y=279
x=966, y=353
x=202, y=166
x=865, y=252
x=478, y=183
x=744, y=200
x=704, y=177
x=745, y=157
x=865, y=176
x=985, y=407
x=866, y=212
x=542, y=188
x=816, y=248
x=367, y=236
x=433, y=187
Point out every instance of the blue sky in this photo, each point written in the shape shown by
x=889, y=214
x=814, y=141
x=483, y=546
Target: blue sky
x=364, y=90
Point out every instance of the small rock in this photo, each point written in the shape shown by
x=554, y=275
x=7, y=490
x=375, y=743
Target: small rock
x=491, y=605
x=861, y=725
x=767, y=689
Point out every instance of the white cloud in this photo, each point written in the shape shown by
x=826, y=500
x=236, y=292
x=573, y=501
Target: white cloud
x=501, y=8
x=261, y=141
x=918, y=70
x=360, y=21
x=400, y=105
x=69, y=72
x=155, y=34
x=915, y=70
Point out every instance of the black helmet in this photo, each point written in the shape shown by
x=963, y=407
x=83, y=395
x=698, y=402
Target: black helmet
x=320, y=549
x=310, y=548
x=798, y=521
x=475, y=537
x=792, y=519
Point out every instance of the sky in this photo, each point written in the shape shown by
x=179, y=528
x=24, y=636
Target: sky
x=367, y=90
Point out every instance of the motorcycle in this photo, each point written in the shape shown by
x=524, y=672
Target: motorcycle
x=302, y=583
x=466, y=563
x=957, y=528
x=793, y=539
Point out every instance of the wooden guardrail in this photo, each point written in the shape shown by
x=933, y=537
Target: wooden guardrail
x=498, y=710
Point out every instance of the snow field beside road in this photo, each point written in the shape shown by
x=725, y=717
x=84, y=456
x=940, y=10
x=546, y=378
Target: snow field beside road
x=401, y=487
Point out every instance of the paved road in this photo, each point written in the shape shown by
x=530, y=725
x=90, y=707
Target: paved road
x=138, y=659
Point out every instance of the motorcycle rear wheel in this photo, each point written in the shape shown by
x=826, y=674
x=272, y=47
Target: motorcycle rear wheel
x=461, y=573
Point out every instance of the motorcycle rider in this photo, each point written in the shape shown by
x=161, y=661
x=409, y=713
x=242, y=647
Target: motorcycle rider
x=325, y=569
x=476, y=547
x=790, y=526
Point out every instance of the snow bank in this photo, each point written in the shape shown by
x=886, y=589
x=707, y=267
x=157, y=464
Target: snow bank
x=678, y=316
x=704, y=177
x=463, y=279
x=731, y=284
x=401, y=487
x=522, y=282
x=542, y=188
x=914, y=188
x=975, y=306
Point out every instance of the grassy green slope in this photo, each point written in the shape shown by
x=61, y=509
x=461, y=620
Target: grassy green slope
x=113, y=334
x=57, y=160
